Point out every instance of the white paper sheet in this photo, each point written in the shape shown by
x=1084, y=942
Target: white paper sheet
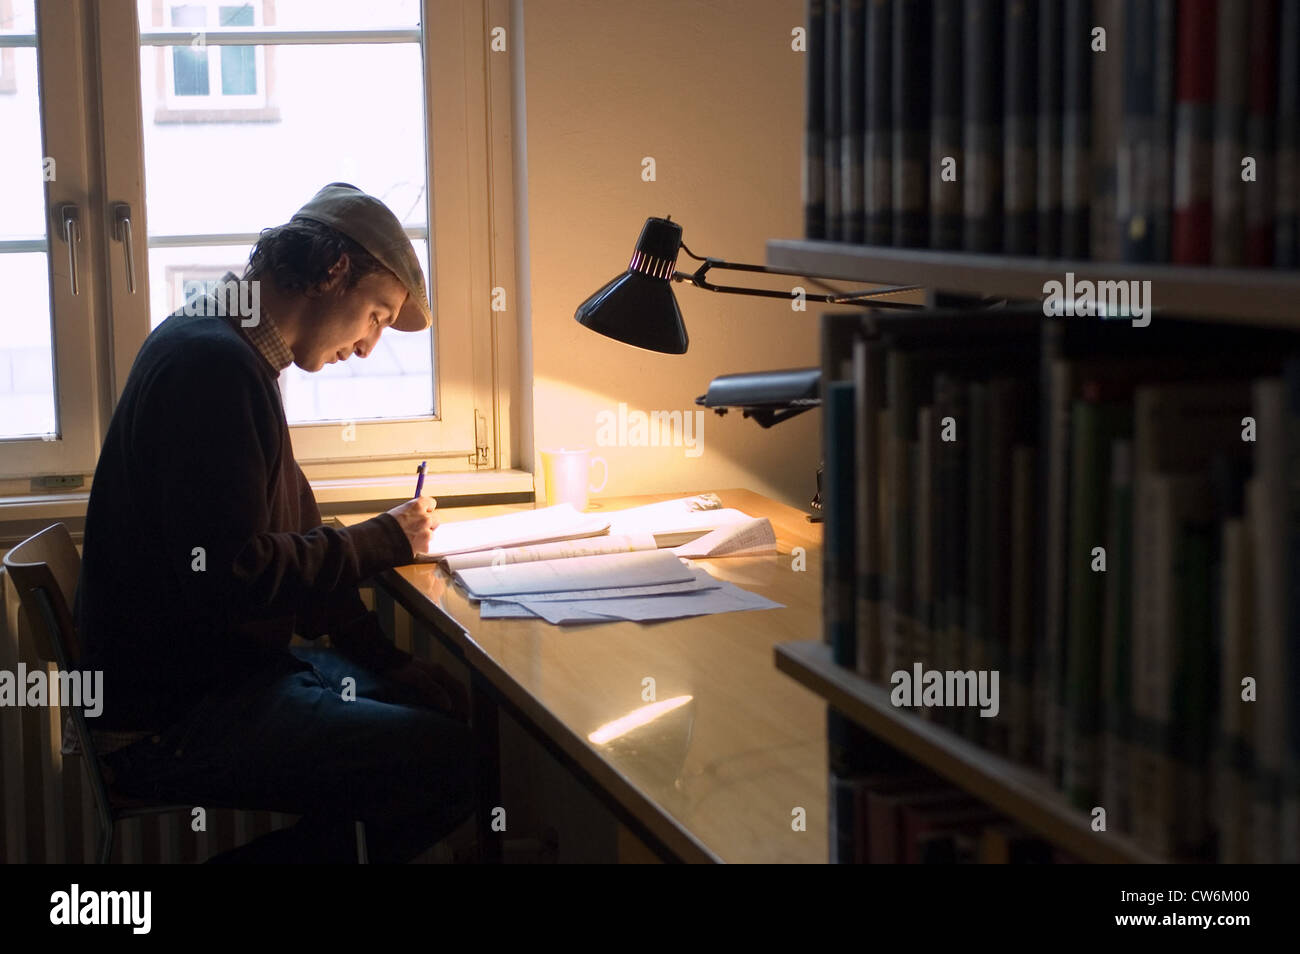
x=639, y=568
x=725, y=598
x=751, y=538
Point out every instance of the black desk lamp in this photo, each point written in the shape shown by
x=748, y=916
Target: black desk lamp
x=640, y=309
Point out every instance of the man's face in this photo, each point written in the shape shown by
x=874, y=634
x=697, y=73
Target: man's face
x=347, y=323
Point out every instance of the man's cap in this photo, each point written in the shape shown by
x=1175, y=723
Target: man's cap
x=373, y=226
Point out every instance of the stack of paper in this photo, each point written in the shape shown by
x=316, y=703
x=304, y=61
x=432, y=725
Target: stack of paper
x=638, y=585
x=547, y=524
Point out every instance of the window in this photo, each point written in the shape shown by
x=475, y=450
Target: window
x=200, y=82
x=190, y=171
x=8, y=72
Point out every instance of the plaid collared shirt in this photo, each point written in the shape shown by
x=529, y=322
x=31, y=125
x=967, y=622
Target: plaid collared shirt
x=265, y=337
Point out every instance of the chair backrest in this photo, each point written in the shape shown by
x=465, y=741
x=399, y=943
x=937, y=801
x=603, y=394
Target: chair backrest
x=44, y=569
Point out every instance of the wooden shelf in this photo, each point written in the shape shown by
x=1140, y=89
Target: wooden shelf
x=1242, y=295
x=1022, y=794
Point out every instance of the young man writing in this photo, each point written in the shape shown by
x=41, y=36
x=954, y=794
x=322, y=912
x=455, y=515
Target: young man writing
x=204, y=553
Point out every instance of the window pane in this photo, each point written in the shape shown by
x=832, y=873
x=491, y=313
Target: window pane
x=238, y=67
x=26, y=348
x=323, y=14
x=189, y=63
x=225, y=176
x=27, y=405
x=395, y=381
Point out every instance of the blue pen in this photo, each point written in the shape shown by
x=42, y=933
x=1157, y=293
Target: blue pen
x=419, y=480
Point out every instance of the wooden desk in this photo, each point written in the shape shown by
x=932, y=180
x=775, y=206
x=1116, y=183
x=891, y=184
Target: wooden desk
x=717, y=779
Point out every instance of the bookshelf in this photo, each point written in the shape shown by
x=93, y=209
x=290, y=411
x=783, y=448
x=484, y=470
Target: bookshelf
x=1248, y=295
x=979, y=149
x=1010, y=788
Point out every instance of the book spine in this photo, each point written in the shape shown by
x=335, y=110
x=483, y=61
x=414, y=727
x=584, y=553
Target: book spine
x=1117, y=649
x=1089, y=465
x=982, y=53
x=910, y=98
x=1134, y=184
x=902, y=405
x=1290, y=813
x=975, y=648
x=1005, y=399
x=1269, y=556
x=1076, y=128
x=833, y=148
x=1047, y=131
x=1227, y=197
x=923, y=549
x=945, y=173
x=852, y=54
x=1061, y=384
x=1021, y=663
x=1286, y=248
x=1193, y=132
x=878, y=190
x=1162, y=136
x=1233, y=772
x=1107, y=114
x=840, y=523
x=814, y=157
x=962, y=449
x=868, y=376
x=1192, y=691
x=1261, y=107
x=1020, y=103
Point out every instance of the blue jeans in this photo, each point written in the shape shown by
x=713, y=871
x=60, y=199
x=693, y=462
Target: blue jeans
x=286, y=740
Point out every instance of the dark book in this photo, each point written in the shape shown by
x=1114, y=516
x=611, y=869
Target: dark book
x=1161, y=200
x=1261, y=108
x=1047, y=130
x=982, y=53
x=1076, y=129
x=852, y=54
x=1228, y=191
x=833, y=148
x=814, y=156
x=1019, y=123
x=869, y=378
x=1107, y=115
x=1286, y=246
x=945, y=173
x=878, y=186
x=910, y=97
x=1193, y=132
x=1134, y=183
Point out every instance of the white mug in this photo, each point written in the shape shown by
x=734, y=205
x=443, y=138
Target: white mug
x=567, y=473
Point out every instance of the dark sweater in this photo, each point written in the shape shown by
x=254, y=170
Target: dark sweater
x=198, y=455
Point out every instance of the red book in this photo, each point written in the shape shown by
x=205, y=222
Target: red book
x=1193, y=131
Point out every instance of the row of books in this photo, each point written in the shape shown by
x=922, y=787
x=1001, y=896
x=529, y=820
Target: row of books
x=896, y=814
x=1133, y=130
x=1106, y=517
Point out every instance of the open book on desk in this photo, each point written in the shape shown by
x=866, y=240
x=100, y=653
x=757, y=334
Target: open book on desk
x=562, y=531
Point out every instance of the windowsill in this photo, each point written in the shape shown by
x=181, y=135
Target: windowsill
x=251, y=114
x=332, y=495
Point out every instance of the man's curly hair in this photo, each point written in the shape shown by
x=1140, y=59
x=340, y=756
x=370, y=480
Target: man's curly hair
x=298, y=255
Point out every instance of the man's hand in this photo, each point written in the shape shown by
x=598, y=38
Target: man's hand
x=437, y=688
x=416, y=520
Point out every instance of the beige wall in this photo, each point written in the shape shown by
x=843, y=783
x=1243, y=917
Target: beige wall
x=714, y=93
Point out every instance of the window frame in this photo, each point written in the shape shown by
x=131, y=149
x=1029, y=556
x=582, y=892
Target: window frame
x=466, y=155
x=79, y=374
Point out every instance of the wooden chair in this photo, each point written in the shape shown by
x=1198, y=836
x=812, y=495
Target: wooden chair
x=44, y=569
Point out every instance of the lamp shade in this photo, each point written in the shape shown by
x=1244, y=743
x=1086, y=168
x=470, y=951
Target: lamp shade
x=639, y=307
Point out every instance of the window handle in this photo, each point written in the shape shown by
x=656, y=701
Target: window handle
x=122, y=220
x=71, y=217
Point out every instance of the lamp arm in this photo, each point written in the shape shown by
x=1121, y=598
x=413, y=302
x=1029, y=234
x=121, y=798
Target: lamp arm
x=866, y=299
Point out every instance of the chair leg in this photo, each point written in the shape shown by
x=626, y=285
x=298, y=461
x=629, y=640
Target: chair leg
x=106, y=843
x=363, y=857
